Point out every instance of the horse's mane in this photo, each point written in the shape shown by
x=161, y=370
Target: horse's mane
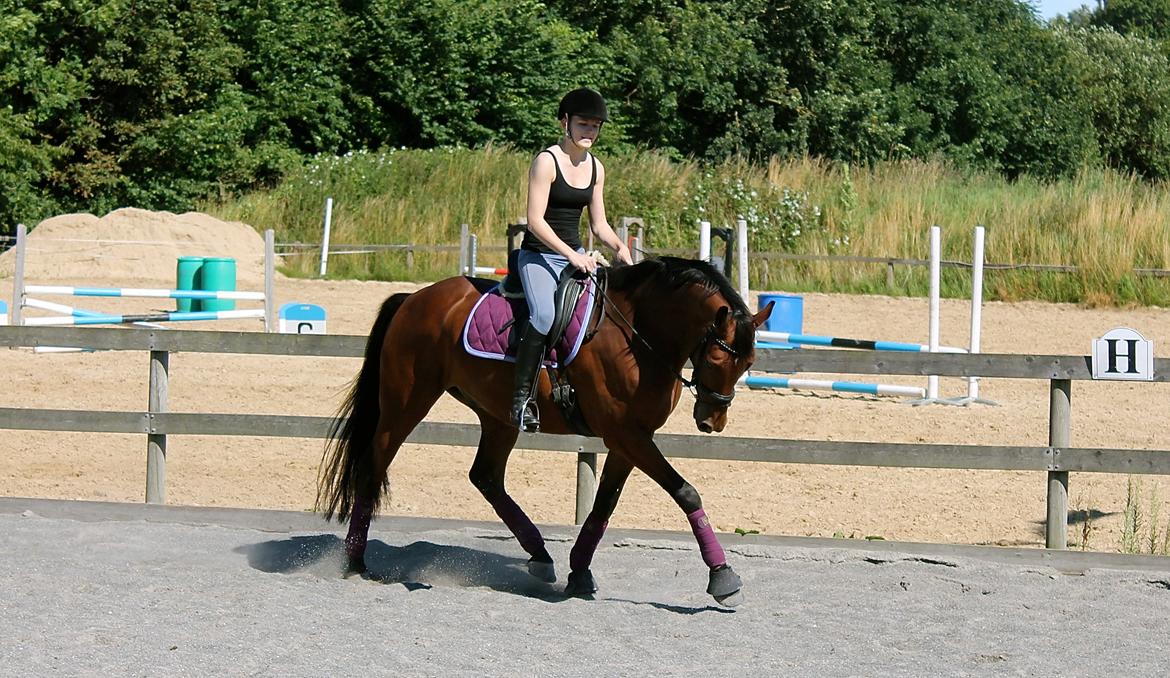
x=675, y=273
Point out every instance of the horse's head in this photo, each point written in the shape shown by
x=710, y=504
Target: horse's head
x=720, y=359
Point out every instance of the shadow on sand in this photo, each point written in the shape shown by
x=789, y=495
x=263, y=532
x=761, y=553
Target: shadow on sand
x=419, y=565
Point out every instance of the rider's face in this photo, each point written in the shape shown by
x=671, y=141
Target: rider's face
x=582, y=131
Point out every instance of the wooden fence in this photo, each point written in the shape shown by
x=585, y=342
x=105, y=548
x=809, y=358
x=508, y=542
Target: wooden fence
x=1056, y=460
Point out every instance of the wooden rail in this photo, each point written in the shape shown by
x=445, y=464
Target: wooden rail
x=1056, y=459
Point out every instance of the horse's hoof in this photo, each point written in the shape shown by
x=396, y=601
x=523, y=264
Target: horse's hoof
x=731, y=600
x=724, y=585
x=543, y=571
x=354, y=567
x=581, y=584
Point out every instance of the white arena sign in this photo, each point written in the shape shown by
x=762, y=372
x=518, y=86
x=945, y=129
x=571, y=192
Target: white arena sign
x=1123, y=354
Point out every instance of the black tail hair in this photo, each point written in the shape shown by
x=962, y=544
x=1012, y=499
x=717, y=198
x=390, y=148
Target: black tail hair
x=346, y=467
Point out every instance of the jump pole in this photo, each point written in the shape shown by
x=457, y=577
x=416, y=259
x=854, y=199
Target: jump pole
x=755, y=381
x=766, y=339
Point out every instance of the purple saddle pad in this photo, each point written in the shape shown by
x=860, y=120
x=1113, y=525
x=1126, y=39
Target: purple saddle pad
x=483, y=337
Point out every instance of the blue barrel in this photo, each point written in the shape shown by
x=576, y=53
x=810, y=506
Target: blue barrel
x=187, y=279
x=787, y=315
x=218, y=274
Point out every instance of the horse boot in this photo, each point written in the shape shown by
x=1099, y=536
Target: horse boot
x=529, y=356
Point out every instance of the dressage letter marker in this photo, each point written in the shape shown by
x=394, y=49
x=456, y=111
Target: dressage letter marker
x=1123, y=354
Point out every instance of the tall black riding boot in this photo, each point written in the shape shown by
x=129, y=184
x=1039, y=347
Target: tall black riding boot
x=529, y=356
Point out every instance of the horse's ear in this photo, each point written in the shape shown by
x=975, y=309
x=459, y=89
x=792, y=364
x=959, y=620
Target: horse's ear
x=762, y=317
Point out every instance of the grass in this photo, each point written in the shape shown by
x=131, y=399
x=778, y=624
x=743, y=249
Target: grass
x=1145, y=531
x=1105, y=223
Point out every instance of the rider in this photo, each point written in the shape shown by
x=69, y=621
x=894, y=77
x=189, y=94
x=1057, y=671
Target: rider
x=563, y=179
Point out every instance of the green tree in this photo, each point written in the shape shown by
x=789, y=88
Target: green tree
x=691, y=81
x=1126, y=80
x=435, y=72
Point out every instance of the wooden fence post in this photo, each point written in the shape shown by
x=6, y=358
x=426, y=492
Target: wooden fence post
x=156, y=444
x=1059, y=426
x=586, y=483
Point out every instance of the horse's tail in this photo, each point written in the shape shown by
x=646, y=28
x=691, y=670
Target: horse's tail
x=347, y=465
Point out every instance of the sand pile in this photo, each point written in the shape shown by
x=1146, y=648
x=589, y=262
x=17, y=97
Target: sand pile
x=134, y=244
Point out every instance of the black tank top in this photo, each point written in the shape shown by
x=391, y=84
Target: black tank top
x=563, y=213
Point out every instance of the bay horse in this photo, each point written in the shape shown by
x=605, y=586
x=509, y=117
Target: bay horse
x=656, y=315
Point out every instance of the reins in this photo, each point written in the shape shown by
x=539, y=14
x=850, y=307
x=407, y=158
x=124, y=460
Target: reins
x=700, y=391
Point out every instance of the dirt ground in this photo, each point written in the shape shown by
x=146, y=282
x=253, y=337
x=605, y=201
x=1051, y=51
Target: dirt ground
x=974, y=507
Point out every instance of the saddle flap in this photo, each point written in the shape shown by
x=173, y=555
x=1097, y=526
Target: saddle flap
x=570, y=287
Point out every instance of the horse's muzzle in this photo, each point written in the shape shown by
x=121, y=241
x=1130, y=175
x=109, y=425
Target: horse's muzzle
x=709, y=419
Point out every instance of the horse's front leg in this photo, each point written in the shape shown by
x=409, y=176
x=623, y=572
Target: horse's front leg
x=723, y=583
x=613, y=478
x=487, y=474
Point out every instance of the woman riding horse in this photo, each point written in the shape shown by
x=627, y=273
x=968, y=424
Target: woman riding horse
x=563, y=179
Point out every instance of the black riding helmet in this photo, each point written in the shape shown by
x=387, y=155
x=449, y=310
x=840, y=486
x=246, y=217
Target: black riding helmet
x=583, y=103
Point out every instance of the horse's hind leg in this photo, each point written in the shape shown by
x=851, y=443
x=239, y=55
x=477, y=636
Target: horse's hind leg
x=613, y=479
x=396, y=421
x=487, y=474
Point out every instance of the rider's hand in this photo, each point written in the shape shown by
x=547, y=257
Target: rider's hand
x=623, y=255
x=583, y=262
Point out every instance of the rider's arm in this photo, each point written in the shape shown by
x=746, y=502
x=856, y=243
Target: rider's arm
x=598, y=222
x=541, y=175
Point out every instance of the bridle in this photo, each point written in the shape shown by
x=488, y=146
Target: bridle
x=703, y=393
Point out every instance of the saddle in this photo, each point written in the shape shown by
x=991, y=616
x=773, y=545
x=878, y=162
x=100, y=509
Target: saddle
x=492, y=329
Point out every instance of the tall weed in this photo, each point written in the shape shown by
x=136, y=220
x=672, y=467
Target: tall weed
x=1104, y=223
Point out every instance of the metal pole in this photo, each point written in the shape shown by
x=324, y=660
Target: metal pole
x=325, y=236
x=464, y=229
x=472, y=254
x=269, y=281
x=18, y=276
x=1059, y=436
x=976, y=306
x=741, y=254
x=932, y=325
x=586, y=483
x=156, y=444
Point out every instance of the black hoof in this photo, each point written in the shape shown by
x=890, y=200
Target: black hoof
x=581, y=584
x=542, y=570
x=354, y=567
x=724, y=585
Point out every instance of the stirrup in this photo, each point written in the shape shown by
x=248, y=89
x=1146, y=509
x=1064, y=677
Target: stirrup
x=528, y=418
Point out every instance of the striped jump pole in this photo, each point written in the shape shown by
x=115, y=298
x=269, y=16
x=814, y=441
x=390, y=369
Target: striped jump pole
x=134, y=292
x=175, y=316
x=488, y=270
x=755, y=381
x=766, y=339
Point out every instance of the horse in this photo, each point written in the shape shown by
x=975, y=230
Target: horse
x=654, y=316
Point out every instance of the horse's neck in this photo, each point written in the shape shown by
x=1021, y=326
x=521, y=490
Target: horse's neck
x=674, y=322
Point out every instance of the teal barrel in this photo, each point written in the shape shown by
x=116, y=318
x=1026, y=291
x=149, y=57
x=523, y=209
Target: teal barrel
x=218, y=275
x=187, y=279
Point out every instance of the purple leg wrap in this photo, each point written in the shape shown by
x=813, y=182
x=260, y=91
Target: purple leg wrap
x=359, y=529
x=582, y=553
x=514, y=517
x=708, y=544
